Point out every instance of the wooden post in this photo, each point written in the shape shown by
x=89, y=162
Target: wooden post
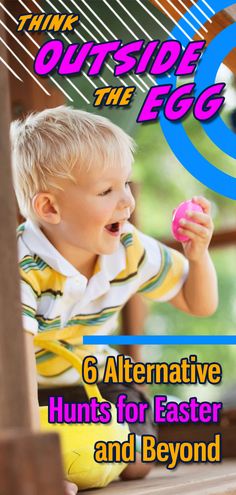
x=14, y=402
x=30, y=463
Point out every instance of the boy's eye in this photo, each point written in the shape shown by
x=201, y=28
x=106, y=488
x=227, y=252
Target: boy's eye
x=105, y=192
x=128, y=183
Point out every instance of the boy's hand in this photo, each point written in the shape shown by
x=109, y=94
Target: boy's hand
x=199, y=233
x=70, y=488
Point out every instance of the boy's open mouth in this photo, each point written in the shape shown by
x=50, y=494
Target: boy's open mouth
x=113, y=228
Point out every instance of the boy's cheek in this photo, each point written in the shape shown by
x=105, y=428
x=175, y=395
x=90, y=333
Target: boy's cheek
x=132, y=204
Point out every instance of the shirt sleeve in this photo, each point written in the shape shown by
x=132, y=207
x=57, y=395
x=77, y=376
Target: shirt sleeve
x=29, y=286
x=29, y=308
x=163, y=271
x=30, y=292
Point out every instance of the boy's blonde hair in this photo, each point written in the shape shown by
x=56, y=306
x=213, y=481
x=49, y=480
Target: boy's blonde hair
x=48, y=144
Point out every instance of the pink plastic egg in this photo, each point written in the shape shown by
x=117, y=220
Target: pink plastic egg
x=180, y=212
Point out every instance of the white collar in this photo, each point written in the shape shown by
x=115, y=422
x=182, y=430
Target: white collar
x=37, y=243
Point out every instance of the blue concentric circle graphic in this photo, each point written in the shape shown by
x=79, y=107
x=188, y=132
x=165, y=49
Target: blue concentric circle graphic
x=216, y=129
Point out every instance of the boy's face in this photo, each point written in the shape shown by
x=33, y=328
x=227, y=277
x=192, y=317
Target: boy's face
x=94, y=209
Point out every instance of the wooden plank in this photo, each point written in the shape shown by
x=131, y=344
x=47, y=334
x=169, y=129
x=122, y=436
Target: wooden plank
x=192, y=433
x=197, y=479
x=221, y=239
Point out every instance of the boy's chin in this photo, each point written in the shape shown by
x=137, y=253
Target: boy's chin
x=111, y=249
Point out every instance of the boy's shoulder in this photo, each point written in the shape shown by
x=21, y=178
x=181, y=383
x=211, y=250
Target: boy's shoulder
x=136, y=252
x=153, y=268
x=36, y=253
x=140, y=252
x=34, y=271
x=35, y=249
x=137, y=244
x=27, y=258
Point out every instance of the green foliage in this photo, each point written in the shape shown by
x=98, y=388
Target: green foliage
x=163, y=184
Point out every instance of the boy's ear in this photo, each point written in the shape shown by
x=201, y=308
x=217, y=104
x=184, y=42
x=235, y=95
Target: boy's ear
x=46, y=207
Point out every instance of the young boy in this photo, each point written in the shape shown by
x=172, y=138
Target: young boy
x=81, y=259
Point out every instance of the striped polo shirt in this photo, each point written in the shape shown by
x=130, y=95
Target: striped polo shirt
x=59, y=303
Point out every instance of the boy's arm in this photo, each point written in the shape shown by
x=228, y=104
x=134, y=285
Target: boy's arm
x=32, y=380
x=199, y=294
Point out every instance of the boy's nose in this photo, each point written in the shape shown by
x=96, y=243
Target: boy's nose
x=127, y=202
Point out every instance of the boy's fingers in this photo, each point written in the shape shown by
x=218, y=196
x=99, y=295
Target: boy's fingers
x=193, y=226
x=70, y=488
x=203, y=202
x=195, y=230
x=200, y=218
x=188, y=233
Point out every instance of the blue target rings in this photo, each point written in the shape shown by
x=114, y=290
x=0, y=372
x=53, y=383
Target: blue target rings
x=218, y=132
